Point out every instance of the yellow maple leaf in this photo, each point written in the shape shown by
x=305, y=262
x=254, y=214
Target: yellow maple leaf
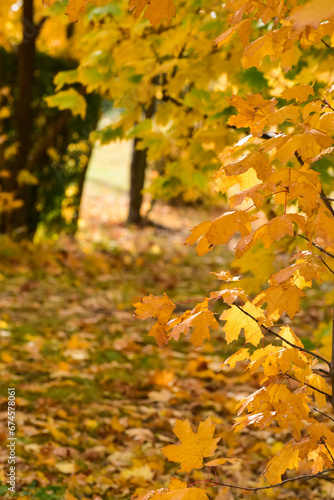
x=194, y=446
x=229, y=295
x=280, y=298
x=156, y=307
x=253, y=111
x=319, y=383
x=287, y=458
x=256, y=160
x=178, y=490
x=156, y=10
x=273, y=230
x=236, y=320
x=312, y=13
x=299, y=92
x=200, y=321
x=220, y=231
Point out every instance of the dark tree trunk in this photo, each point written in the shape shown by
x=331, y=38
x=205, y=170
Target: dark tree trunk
x=138, y=168
x=137, y=178
x=16, y=222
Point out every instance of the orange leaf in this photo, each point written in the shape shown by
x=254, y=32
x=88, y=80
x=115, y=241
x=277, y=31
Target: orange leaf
x=220, y=231
x=312, y=13
x=156, y=10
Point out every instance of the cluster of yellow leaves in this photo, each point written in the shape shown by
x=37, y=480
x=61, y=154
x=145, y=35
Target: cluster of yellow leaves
x=274, y=167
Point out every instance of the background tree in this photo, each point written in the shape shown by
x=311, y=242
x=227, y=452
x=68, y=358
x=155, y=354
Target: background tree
x=37, y=168
x=169, y=84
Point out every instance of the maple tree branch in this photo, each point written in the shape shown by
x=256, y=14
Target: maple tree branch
x=331, y=366
x=307, y=477
x=324, y=414
x=325, y=445
x=330, y=269
x=317, y=246
x=314, y=354
x=310, y=386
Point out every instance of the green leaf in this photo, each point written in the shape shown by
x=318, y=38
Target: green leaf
x=68, y=99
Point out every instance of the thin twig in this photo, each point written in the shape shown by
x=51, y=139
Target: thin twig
x=316, y=246
x=315, y=355
x=309, y=385
x=325, y=444
x=324, y=414
x=322, y=260
x=299, y=478
x=331, y=366
x=327, y=44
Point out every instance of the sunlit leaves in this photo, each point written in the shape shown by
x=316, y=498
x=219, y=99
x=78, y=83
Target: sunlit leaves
x=68, y=99
x=236, y=320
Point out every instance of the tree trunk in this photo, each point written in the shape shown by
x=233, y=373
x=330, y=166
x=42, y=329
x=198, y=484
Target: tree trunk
x=16, y=222
x=137, y=179
x=138, y=168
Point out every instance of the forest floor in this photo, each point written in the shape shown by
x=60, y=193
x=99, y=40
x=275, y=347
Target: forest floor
x=96, y=398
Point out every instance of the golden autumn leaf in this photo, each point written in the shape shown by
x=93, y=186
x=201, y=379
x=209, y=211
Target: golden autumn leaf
x=299, y=92
x=241, y=355
x=319, y=383
x=321, y=459
x=229, y=295
x=312, y=13
x=201, y=322
x=178, y=490
x=273, y=230
x=280, y=298
x=156, y=307
x=220, y=231
x=156, y=10
x=287, y=458
x=194, y=446
x=236, y=320
x=257, y=160
x=253, y=111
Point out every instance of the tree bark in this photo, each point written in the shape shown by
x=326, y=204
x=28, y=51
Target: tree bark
x=137, y=176
x=16, y=222
x=138, y=169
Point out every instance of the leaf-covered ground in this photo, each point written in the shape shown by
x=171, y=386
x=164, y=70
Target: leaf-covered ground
x=96, y=398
